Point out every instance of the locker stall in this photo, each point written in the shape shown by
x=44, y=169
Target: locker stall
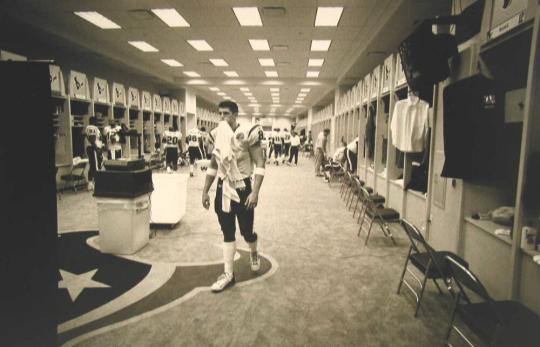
x=122, y=115
x=101, y=103
x=61, y=118
x=80, y=109
x=159, y=124
x=148, y=135
x=167, y=115
x=175, y=115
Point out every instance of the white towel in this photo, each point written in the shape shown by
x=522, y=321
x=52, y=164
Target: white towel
x=227, y=166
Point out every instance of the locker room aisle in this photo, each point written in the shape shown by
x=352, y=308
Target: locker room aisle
x=328, y=289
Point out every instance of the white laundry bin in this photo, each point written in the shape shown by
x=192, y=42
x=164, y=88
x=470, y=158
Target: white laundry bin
x=124, y=224
x=169, y=197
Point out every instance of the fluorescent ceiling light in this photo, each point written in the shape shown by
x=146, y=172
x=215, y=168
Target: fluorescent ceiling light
x=271, y=73
x=214, y=89
x=143, y=46
x=231, y=73
x=276, y=105
x=171, y=17
x=227, y=98
x=272, y=83
x=274, y=89
x=172, y=62
x=221, y=93
x=248, y=94
x=305, y=90
x=248, y=16
x=218, y=62
x=244, y=89
x=259, y=45
x=254, y=105
x=310, y=83
x=234, y=82
x=302, y=94
x=256, y=113
x=97, y=19
x=200, y=45
x=196, y=82
x=320, y=45
x=315, y=62
x=328, y=16
x=312, y=74
x=191, y=74
x=266, y=62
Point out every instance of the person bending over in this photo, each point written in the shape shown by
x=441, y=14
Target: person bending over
x=237, y=150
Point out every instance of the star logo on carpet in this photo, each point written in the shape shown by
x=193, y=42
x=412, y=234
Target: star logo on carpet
x=75, y=284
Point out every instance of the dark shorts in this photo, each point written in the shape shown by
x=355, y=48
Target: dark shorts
x=194, y=154
x=239, y=212
x=171, y=155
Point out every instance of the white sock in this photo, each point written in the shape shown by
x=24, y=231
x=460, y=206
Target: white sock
x=253, y=246
x=191, y=168
x=229, y=250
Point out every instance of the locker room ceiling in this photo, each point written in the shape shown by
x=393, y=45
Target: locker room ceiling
x=367, y=32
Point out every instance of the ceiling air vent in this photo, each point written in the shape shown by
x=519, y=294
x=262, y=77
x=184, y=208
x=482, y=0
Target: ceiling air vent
x=273, y=11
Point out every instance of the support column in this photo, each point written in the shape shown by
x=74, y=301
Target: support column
x=191, y=108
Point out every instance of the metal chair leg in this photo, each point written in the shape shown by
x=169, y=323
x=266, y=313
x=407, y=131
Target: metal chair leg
x=437, y=285
x=356, y=206
x=369, y=232
x=423, y=287
x=404, y=270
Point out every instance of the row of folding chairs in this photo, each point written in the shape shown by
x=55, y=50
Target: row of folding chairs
x=368, y=204
x=496, y=323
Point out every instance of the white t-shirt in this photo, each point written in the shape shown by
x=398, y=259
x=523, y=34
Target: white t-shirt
x=171, y=139
x=353, y=146
x=410, y=124
x=295, y=141
x=320, y=140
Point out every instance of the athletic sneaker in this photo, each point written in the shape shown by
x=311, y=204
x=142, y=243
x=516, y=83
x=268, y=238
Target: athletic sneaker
x=255, y=261
x=191, y=174
x=224, y=281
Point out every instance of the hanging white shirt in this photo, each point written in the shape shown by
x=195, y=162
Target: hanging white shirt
x=320, y=140
x=353, y=145
x=410, y=124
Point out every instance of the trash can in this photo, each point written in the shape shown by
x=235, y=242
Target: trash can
x=124, y=224
x=124, y=208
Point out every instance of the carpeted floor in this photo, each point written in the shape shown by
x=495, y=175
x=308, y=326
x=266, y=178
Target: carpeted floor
x=329, y=289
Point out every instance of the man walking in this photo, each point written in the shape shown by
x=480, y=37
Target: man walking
x=237, y=150
x=320, y=150
x=295, y=145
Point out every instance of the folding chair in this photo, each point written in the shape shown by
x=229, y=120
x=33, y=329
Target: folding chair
x=378, y=199
x=497, y=323
x=377, y=213
x=334, y=168
x=76, y=175
x=430, y=263
x=345, y=184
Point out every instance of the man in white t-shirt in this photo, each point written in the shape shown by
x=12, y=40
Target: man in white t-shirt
x=352, y=154
x=295, y=146
x=320, y=150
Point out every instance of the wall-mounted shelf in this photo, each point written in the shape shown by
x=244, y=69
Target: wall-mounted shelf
x=490, y=227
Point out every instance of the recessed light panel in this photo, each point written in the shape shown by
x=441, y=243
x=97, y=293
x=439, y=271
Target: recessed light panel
x=328, y=16
x=171, y=17
x=315, y=62
x=191, y=74
x=266, y=62
x=271, y=73
x=320, y=45
x=259, y=45
x=97, y=19
x=214, y=89
x=231, y=73
x=248, y=16
x=218, y=62
x=143, y=46
x=312, y=74
x=172, y=62
x=200, y=45
x=305, y=90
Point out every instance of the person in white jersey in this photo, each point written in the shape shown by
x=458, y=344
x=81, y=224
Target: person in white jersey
x=320, y=150
x=286, y=144
x=237, y=151
x=195, y=144
x=112, y=136
x=172, y=145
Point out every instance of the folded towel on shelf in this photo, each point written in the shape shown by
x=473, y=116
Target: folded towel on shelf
x=502, y=232
x=536, y=259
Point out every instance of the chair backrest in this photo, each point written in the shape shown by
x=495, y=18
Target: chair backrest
x=364, y=196
x=419, y=243
x=466, y=279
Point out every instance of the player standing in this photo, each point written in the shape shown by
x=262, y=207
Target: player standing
x=286, y=144
x=172, y=144
x=195, y=144
x=237, y=151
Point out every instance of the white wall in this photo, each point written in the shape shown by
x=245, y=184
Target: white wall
x=282, y=122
